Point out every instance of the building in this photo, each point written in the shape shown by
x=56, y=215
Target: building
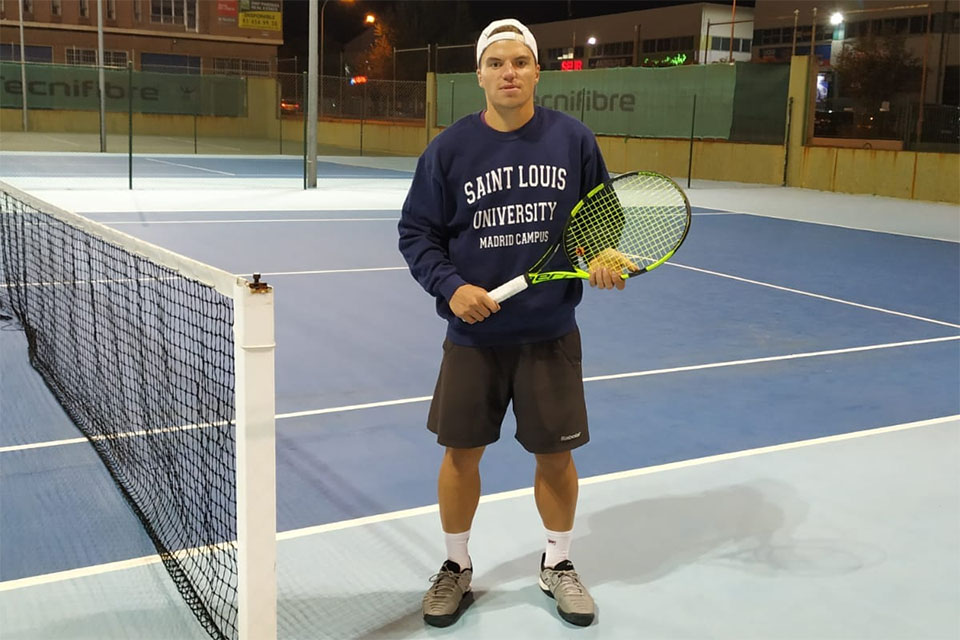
x=177, y=36
x=687, y=34
x=931, y=32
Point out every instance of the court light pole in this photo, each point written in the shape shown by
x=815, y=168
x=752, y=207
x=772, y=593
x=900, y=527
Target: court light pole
x=100, y=78
x=23, y=70
x=310, y=130
x=733, y=24
x=813, y=35
x=793, y=46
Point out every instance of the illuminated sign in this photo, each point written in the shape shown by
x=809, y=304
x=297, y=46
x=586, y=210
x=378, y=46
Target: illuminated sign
x=666, y=61
x=571, y=65
x=355, y=80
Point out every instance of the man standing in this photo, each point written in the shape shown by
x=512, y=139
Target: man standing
x=489, y=195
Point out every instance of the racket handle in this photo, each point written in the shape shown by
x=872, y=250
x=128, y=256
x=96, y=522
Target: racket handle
x=509, y=289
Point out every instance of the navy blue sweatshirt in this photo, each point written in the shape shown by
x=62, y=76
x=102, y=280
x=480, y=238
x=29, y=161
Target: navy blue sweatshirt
x=483, y=207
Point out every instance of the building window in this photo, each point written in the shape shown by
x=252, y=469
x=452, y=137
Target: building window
x=946, y=23
x=174, y=12
x=137, y=13
x=81, y=56
x=11, y=52
x=226, y=66
x=28, y=6
x=111, y=9
x=55, y=8
x=88, y=57
x=723, y=44
x=169, y=63
x=84, y=8
x=116, y=59
x=239, y=67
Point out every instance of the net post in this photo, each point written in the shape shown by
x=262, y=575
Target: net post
x=256, y=461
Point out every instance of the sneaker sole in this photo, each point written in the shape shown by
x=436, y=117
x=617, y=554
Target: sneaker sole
x=578, y=619
x=448, y=619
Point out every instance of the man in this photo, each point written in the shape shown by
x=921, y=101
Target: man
x=489, y=195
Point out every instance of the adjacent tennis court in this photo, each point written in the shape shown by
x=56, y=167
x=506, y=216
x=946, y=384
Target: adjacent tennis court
x=774, y=413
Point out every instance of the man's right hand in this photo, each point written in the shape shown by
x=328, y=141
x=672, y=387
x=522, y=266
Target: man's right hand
x=471, y=304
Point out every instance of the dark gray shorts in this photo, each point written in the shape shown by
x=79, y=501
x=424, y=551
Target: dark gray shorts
x=544, y=380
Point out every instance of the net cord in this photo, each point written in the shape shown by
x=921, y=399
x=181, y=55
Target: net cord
x=223, y=281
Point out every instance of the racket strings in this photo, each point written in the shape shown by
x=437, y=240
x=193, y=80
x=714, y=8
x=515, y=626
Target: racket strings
x=637, y=220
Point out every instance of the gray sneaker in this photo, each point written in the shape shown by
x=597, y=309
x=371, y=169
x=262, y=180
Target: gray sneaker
x=445, y=599
x=563, y=584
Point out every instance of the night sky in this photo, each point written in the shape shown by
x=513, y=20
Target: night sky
x=444, y=21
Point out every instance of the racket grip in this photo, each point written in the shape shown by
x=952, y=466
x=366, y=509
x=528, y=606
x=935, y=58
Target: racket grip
x=509, y=289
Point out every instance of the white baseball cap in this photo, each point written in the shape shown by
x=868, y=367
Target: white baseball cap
x=524, y=36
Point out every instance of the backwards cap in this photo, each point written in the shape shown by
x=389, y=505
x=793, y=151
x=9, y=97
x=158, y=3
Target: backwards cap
x=525, y=37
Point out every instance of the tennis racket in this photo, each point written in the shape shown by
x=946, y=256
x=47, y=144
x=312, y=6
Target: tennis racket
x=631, y=224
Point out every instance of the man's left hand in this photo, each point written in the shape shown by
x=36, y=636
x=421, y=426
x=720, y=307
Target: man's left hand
x=606, y=267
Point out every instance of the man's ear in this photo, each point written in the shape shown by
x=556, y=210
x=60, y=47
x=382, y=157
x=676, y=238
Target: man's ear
x=479, y=83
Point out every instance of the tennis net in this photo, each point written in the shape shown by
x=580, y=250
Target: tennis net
x=166, y=366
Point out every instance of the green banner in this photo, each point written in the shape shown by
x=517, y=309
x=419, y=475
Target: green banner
x=648, y=101
x=77, y=88
x=760, y=105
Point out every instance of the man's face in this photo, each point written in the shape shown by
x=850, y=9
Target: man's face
x=508, y=74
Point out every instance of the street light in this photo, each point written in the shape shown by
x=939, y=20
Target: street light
x=836, y=18
x=369, y=18
x=591, y=41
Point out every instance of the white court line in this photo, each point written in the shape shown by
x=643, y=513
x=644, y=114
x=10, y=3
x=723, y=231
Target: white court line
x=833, y=224
x=814, y=295
x=62, y=576
x=262, y=220
x=651, y=372
x=614, y=376
x=190, y=166
x=682, y=266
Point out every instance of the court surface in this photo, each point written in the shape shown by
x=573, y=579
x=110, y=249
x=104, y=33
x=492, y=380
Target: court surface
x=775, y=422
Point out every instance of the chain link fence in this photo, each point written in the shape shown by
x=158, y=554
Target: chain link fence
x=353, y=98
x=938, y=130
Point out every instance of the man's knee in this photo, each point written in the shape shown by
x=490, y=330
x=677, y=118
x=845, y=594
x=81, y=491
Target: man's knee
x=554, y=463
x=463, y=460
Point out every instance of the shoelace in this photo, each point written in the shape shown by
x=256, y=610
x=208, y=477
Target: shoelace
x=443, y=583
x=569, y=582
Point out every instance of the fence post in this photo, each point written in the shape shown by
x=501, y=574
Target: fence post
x=786, y=141
x=453, y=88
x=693, y=123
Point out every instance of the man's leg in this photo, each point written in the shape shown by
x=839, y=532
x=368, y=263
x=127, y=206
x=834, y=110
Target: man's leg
x=555, y=489
x=458, y=491
x=458, y=488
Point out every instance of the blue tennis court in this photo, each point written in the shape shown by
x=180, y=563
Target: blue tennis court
x=774, y=415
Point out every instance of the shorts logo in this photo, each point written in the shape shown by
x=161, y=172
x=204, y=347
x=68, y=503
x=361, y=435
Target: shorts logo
x=570, y=437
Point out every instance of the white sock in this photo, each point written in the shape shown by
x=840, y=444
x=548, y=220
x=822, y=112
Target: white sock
x=558, y=547
x=457, y=548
